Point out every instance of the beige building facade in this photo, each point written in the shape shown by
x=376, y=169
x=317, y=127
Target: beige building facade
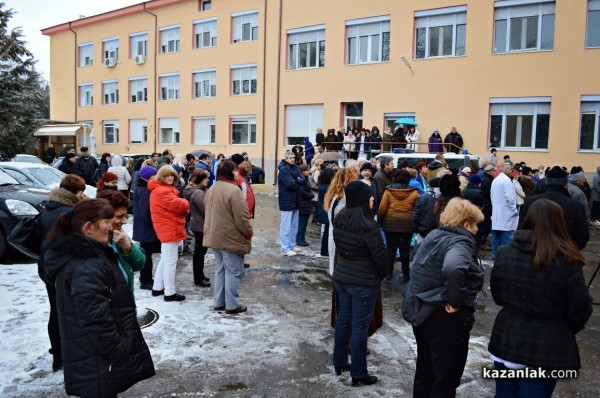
x=257, y=75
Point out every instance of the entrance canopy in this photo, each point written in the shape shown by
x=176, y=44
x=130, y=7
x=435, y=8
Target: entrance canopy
x=62, y=130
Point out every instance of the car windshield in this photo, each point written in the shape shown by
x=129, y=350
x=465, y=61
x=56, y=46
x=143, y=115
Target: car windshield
x=6, y=179
x=28, y=159
x=47, y=176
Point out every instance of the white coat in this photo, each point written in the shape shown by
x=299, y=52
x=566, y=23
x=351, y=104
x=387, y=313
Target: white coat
x=412, y=139
x=505, y=216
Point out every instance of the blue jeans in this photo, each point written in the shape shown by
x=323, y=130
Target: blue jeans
x=500, y=238
x=229, y=269
x=356, y=306
x=288, y=229
x=523, y=388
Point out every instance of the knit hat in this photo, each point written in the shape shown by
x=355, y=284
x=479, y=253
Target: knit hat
x=366, y=166
x=146, y=172
x=357, y=194
x=475, y=179
x=576, y=172
x=489, y=167
x=556, y=176
x=69, y=155
x=466, y=170
x=237, y=158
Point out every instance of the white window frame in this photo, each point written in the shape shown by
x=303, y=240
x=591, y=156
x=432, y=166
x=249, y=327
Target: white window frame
x=172, y=124
x=205, y=33
x=438, y=20
x=169, y=39
x=138, y=89
x=592, y=21
x=169, y=86
x=302, y=121
x=507, y=12
x=244, y=76
x=520, y=107
x=310, y=40
x=85, y=135
x=244, y=26
x=86, y=54
x=110, y=48
x=138, y=131
x=389, y=119
x=138, y=44
x=244, y=120
x=110, y=92
x=86, y=94
x=110, y=125
x=205, y=5
x=367, y=29
x=205, y=83
x=590, y=105
x=204, y=130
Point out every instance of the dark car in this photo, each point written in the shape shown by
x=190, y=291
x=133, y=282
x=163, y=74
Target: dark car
x=17, y=201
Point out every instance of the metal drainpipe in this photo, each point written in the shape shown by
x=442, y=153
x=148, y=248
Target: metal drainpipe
x=278, y=93
x=155, y=76
x=75, y=75
x=264, y=79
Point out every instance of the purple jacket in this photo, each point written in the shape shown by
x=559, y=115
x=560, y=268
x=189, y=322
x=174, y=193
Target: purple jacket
x=435, y=144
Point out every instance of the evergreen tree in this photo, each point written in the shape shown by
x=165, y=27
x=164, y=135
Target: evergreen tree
x=20, y=90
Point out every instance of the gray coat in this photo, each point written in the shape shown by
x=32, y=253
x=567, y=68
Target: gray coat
x=195, y=195
x=445, y=270
x=578, y=194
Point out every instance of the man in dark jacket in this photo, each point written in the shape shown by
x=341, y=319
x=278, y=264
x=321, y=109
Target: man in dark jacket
x=165, y=159
x=50, y=154
x=453, y=141
x=423, y=216
x=320, y=137
x=306, y=200
x=69, y=165
x=574, y=212
x=383, y=177
x=205, y=163
x=376, y=141
x=435, y=166
x=87, y=165
x=474, y=194
x=289, y=182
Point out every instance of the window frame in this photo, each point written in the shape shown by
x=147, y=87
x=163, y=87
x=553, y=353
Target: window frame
x=242, y=19
x=110, y=87
x=504, y=11
x=134, y=40
x=134, y=87
x=302, y=121
x=205, y=5
x=173, y=124
x=455, y=17
x=115, y=126
x=306, y=36
x=170, y=34
x=199, y=77
x=211, y=134
x=243, y=120
x=199, y=37
x=165, y=81
x=110, y=48
x=384, y=25
x=537, y=106
x=251, y=72
x=593, y=6
x=83, y=94
x=139, y=123
x=589, y=102
x=86, y=52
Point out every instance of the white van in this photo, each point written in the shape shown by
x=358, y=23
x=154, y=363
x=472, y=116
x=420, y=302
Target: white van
x=455, y=161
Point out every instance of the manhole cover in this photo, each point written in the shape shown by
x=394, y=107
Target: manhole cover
x=148, y=319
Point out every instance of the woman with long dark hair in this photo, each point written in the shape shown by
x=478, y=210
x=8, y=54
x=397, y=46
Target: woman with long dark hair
x=103, y=349
x=538, y=281
x=361, y=265
x=449, y=189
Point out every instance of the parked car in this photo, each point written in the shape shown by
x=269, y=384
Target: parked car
x=17, y=201
x=39, y=176
x=27, y=159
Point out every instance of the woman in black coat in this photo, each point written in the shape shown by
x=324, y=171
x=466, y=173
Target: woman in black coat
x=538, y=281
x=361, y=265
x=104, y=352
x=324, y=180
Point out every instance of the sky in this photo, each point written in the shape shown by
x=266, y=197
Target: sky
x=34, y=15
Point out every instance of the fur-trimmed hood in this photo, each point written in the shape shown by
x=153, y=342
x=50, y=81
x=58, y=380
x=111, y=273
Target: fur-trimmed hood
x=63, y=196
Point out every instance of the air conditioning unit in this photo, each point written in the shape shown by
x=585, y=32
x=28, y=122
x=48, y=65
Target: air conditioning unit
x=110, y=62
x=140, y=59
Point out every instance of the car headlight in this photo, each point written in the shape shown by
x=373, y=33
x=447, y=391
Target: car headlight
x=21, y=208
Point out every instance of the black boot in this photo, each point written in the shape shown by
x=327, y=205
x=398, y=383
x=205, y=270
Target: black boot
x=406, y=274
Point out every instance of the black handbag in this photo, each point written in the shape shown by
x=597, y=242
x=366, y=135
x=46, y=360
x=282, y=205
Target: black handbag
x=25, y=236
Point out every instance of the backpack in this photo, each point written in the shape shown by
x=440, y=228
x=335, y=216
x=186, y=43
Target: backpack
x=25, y=236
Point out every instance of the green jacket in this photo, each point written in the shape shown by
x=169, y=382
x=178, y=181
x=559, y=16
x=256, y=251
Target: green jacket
x=162, y=161
x=134, y=261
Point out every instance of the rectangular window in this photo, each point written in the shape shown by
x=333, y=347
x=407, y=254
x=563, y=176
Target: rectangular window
x=86, y=94
x=205, y=5
x=522, y=123
x=245, y=26
x=169, y=40
x=440, y=32
x=589, y=134
x=243, y=130
x=110, y=91
x=138, y=44
x=205, y=33
x=110, y=49
x=390, y=119
x=86, y=54
x=592, y=36
x=138, y=131
x=528, y=27
x=302, y=121
x=204, y=130
x=368, y=40
x=169, y=130
x=205, y=83
x=110, y=131
x=169, y=87
x=243, y=80
x=306, y=47
x=138, y=89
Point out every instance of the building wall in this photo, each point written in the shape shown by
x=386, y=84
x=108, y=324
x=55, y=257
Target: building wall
x=441, y=92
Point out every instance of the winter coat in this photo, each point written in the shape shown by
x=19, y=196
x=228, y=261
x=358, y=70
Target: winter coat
x=382, y=180
x=103, y=348
x=195, y=195
x=519, y=194
x=143, y=228
x=87, y=166
x=168, y=212
x=226, y=223
x=417, y=185
x=486, y=185
x=596, y=186
x=337, y=205
x=474, y=194
x=330, y=142
x=528, y=185
x=69, y=167
x=349, y=143
x=423, y=215
x=124, y=178
x=542, y=310
x=444, y=270
x=396, y=208
x=289, y=181
x=577, y=193
x=248, y=194
x=435, y=144
x=162, y=161
x=305, y=200
x=321, y=213
x=373, y=184
x=412, y=140
x=577, y=225
x=453, y=138
x=201, y=164
x=433, y=168
x=362, y=258
x=130, y=262
x=375, y=140
x=505, y=216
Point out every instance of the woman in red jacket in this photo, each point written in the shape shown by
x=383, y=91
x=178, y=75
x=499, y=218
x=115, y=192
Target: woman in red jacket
x=168, y=212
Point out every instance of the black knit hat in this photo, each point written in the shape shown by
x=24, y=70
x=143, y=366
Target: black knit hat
x=237, y=158
x=556, y=176
x=366, y=166
x=357, y=194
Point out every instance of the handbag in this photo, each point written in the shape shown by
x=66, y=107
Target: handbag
x=25, y=236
